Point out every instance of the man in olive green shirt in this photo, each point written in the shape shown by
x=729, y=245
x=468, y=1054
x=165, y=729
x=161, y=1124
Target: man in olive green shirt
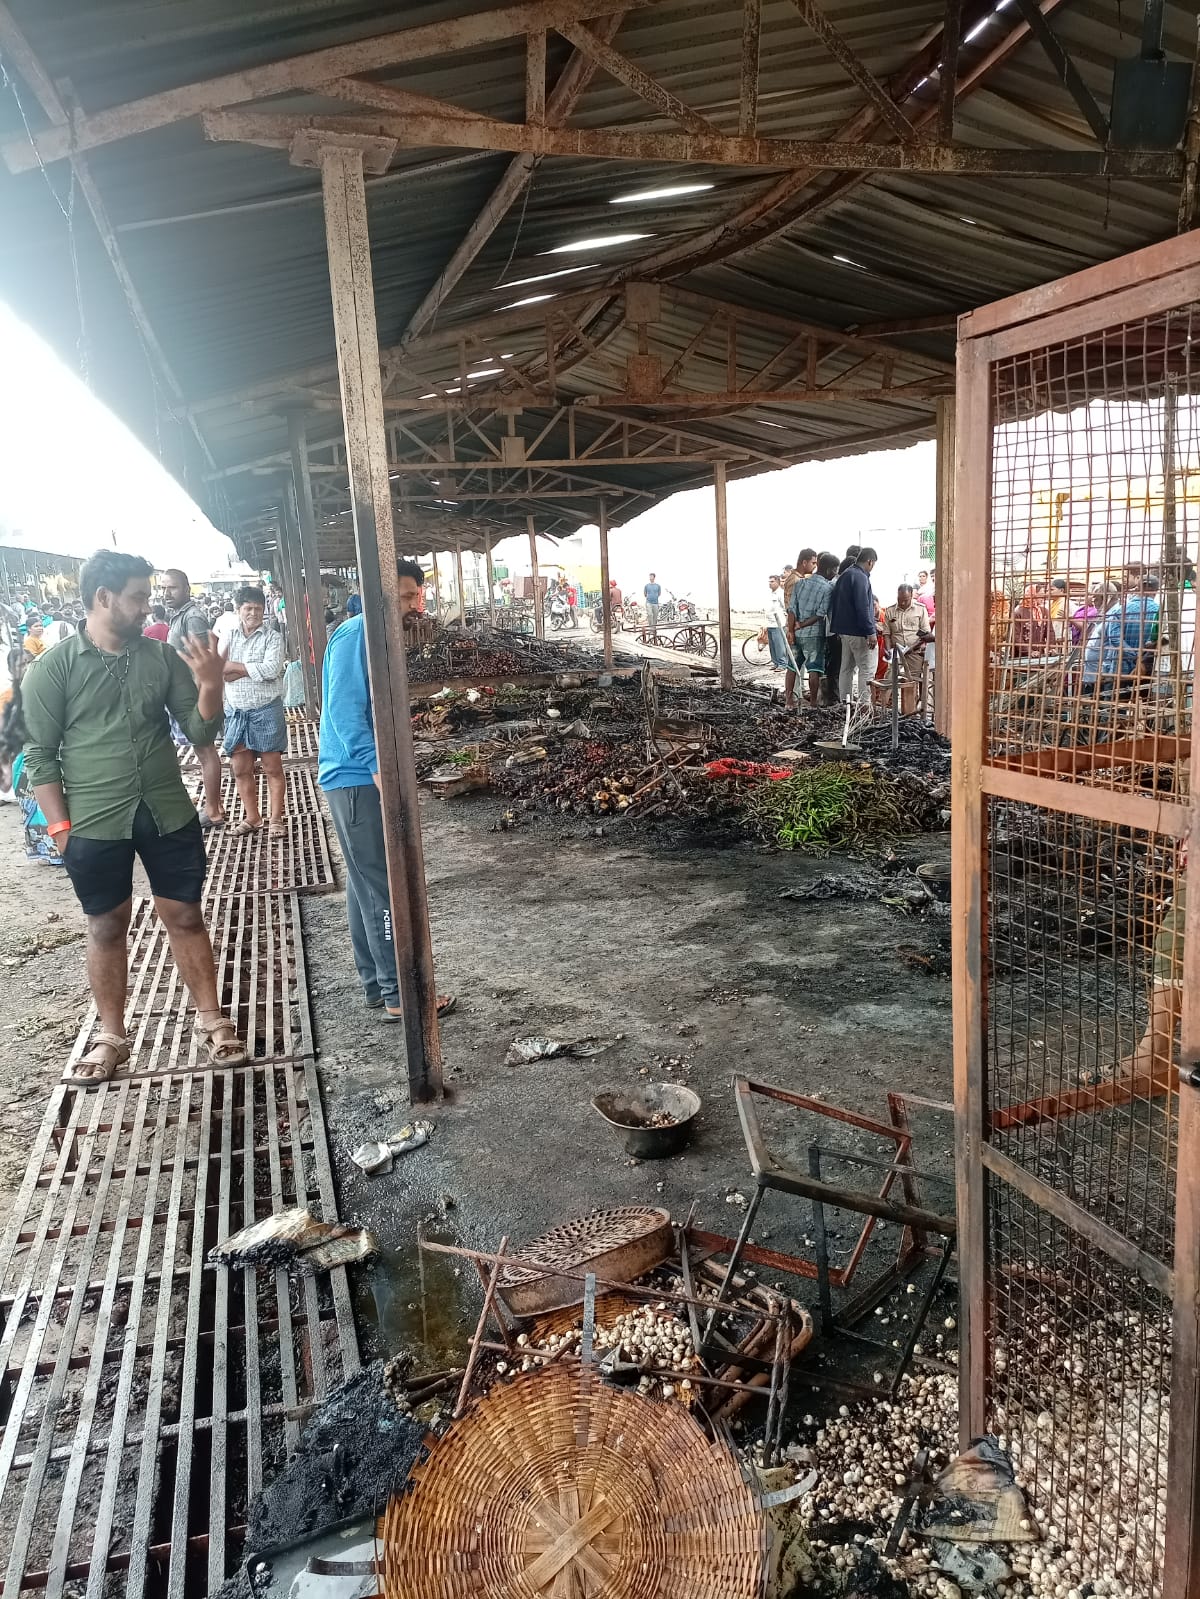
x=104, y=769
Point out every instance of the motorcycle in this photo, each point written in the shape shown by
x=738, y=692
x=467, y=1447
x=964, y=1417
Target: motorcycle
x=633, y=613
x=688, y=610
x=560, y=612
x=596, y=619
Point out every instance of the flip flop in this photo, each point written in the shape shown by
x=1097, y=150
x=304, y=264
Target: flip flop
x=117, y=1043
x=242, y=828
x=209, y=825
x=446, y=1005
x=277, y=827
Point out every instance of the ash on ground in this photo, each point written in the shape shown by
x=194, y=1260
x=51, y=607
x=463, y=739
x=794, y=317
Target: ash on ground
x=355, y=1452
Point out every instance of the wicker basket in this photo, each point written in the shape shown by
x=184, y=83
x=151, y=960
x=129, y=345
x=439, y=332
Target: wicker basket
x=556, y=1484
x=617, y=1244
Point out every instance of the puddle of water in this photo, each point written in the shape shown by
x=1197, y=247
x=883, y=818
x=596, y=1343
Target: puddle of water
x=411, y=1299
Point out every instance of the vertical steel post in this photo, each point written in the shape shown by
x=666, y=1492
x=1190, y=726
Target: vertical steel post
x=462, y=593
x=539, y=620
x=348, y=245
x=1181, y=1571
x=944, y=559
x=437, y=588
x=294, y=595
x=309, y=552
x=968, y=862
x=605, y=592
x=724, y=622
x=491, y=581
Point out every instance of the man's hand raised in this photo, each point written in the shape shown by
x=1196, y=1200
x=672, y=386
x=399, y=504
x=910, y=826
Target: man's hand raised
x=206, y=661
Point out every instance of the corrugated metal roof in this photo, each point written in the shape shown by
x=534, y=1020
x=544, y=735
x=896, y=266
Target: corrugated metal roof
x=225, y=243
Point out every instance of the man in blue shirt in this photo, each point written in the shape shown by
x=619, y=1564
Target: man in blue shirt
x=653, y=593
x=854, y=618
x=1121, y=644
x=348, y=771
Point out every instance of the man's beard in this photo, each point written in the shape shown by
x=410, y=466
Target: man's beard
x=125, y=628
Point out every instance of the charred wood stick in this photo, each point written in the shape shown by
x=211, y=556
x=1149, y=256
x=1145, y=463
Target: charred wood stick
x=473, y=1356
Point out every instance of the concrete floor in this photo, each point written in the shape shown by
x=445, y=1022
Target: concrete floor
x=684, y=955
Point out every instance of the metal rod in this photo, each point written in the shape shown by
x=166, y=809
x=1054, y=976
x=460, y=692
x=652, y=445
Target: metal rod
x=477, y=1341
x=895, y=696
x=437, y=588
x=462, y=592
x=539, y=620
x=310, y=556
x=491, y=579
x=821, y=1240
x=724, y=624
x=348, y=244
x=605, y=591
x=919, y=1320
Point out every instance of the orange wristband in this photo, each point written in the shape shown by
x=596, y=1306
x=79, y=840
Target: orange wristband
x=55, y=828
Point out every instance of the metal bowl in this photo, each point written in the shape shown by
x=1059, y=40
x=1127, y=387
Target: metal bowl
x=630, y=1111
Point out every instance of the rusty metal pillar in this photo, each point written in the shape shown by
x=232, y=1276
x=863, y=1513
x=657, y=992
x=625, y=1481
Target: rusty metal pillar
x=309, y=553
x=944, y=566
x=539, y=620
x=724, y=622
x=605, y=591
x=491, y=581
x=296, y=597
x=342, y=164
x=462, y=593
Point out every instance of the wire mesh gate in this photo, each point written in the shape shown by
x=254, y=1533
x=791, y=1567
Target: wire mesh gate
x=1077, y=512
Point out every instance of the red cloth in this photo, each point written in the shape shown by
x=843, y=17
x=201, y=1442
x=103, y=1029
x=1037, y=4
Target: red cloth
x=156, y=630
x=727, y=767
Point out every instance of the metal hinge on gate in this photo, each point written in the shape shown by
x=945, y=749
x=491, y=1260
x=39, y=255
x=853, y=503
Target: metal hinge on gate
x=1191, y=1075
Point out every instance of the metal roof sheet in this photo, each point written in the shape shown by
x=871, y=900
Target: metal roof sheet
x=225, y=242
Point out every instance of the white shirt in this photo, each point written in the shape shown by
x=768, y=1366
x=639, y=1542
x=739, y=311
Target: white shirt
x=54, y=632
x=776, y=609
x=262, y=656
x=224, y=627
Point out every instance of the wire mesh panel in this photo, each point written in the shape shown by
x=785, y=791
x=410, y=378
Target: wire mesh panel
x=1078, y=518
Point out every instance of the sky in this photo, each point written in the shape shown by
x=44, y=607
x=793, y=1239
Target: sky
x=112, y=492
x=117, y=493
x=882, y=499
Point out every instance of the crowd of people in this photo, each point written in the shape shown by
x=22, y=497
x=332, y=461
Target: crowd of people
x=830, y=636
x=103, y=712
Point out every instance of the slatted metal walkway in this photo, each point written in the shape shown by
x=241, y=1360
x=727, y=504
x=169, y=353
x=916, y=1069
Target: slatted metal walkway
x=145, y=1395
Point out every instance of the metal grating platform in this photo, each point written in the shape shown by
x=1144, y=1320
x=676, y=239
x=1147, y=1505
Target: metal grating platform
x=257, y=863
x=146, y=1394
x=302, y=796
x=261, y=984
x=302, y=742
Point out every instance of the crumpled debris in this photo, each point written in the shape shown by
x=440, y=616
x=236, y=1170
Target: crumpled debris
x=524, y=1050
x=976, y=1500
x=376, y=1158
x=844, y=885
x=294, y=1239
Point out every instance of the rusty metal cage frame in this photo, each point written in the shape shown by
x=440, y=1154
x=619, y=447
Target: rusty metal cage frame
x=1008, y=1200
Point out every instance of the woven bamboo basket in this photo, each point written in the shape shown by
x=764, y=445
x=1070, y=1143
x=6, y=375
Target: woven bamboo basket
x=618, y=1244
x=557, y=1484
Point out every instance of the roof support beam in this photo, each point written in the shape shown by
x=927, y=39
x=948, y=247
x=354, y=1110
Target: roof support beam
x=308, y=71
x=862, y=75
x=948, y=70
x=785, y=201
x=638, y=82
x=15, y=46
x=751, y=33
x=1068, y=72
x=618, y=144
x=556, y=109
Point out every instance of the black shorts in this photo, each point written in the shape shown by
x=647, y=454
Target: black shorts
x=101, y=869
